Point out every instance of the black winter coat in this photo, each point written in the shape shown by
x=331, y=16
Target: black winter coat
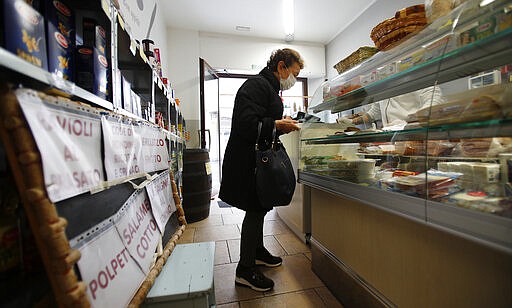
x=256, y=100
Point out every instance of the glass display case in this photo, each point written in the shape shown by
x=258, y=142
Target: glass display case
x=424, y=130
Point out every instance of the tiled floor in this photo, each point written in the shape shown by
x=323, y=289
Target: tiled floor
x=295, y=283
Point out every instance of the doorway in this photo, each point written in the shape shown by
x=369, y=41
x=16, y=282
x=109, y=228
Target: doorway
x=219, y=98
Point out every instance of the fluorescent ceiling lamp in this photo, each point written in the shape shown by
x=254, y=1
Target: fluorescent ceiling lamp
x=288, y=17
x=486, y=2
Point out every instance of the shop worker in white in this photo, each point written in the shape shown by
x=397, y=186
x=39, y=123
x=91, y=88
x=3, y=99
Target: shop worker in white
x=394, y=111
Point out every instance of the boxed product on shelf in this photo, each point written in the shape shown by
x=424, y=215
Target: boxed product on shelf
x=369, y=78
x=386, y=70
x=84, y=64
x=441, y=46
x=478, y=31
x=100, y=69
x=127, y=97
x=100, y=39
x=24, y=32
x=91, y=71
x=136, y=104
x=94, y=35
x=60, y=29
x=158, y=63
x=414, y=58
x=503, y=20
x=88, y=31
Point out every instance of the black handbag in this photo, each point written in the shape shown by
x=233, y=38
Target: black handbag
x=275, y=178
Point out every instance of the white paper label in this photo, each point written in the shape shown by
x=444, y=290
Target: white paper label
x=123, y=149
x=111, y=275
x=69, y=141
x=160, y=196
x=138, y=229
x=155, y=154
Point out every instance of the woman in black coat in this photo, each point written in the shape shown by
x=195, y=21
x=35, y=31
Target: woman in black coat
x=257, y=100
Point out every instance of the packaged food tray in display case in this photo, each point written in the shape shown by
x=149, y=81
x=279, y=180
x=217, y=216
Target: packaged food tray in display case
x=357, y=170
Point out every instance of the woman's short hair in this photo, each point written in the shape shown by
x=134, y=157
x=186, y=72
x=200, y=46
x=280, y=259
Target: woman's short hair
x=289, y=56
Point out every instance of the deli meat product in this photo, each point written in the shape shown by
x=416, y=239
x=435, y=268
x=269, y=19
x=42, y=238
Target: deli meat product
x=432, y=186
x=485, y=147
x=481, y=108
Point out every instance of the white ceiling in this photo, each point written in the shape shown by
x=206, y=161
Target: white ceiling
x=317, y=21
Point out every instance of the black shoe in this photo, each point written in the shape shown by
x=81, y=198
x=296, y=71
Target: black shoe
x=267, y=259
x=253, y=278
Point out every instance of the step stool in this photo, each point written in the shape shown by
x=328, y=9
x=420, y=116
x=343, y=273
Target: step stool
x=186, y=280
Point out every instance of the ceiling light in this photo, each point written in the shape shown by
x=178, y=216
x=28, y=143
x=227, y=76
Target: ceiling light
x=243, y=28
x=486, y=2
x=288, y=18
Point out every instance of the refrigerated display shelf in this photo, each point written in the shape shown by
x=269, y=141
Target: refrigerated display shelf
x=478, y=56
x=482, y=129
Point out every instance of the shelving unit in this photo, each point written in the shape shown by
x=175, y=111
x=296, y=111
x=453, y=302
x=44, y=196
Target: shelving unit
x=59, y=226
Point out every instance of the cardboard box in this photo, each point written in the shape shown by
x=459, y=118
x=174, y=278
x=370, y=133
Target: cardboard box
x=24, y=32
x=100, y=39
x=88, y=31
x=60, y=24
x=411, y=60
x=84, y=65
x=100, y=70
x=127, y=97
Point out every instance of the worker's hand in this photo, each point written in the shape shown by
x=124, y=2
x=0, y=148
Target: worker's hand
x=360, y=118
x=287, y=125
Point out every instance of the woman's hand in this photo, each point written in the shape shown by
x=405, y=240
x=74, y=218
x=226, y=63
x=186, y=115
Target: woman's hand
x=287, y=125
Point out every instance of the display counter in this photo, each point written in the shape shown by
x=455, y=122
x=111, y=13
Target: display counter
x=411, y=203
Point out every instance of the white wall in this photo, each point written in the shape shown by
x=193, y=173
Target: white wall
x=233, y=53
x=138, y=20
x=244, y=53
x=358, y=33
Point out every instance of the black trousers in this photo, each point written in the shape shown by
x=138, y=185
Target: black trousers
x=251, y=241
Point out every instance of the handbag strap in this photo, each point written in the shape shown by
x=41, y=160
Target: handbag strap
x=260, y=124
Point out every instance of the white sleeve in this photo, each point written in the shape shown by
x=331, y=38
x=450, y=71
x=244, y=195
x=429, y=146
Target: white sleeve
x=374, y=112
x=431, y=94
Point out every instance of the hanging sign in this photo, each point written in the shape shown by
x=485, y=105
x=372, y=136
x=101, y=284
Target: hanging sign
x=155, y=155
x=160, y=197
x=138, y=229
x=111, y=275
x=123, y=148
x=69, y=139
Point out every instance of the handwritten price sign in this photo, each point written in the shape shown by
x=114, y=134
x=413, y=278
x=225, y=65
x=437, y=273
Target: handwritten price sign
x=69, y=140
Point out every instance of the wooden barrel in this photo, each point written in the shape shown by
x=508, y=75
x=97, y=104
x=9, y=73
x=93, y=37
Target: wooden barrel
x=197, y=184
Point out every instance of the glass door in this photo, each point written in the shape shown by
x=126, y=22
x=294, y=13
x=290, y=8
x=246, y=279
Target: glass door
x=210, y=122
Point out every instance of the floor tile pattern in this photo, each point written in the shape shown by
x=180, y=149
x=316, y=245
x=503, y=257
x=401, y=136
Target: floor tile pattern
x=295, y=283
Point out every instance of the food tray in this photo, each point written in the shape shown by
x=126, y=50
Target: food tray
x=355, y=58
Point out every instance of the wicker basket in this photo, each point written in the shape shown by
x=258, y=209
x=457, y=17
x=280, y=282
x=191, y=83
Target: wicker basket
x=355, y=58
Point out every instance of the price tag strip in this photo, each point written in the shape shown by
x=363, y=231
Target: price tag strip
x=112, y=276
x=123, y=148
x=162, y=202
x=138, y=229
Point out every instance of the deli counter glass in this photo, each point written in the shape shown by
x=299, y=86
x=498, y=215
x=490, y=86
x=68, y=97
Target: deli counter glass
x=425, y=130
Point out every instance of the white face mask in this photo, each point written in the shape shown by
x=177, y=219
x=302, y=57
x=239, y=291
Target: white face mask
x=288, y=82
